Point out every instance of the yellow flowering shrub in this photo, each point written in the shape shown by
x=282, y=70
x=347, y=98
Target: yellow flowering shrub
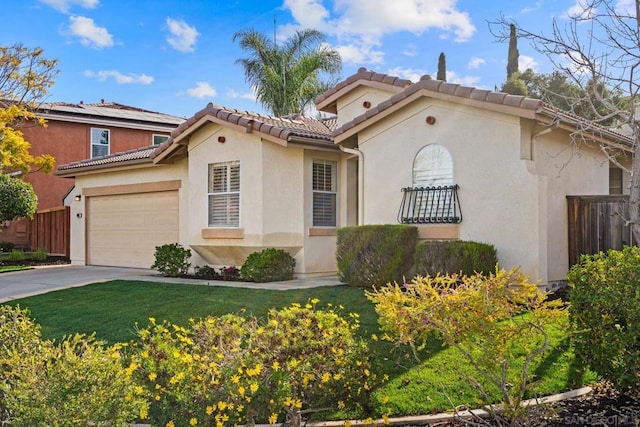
x=235, y=370
x=496, y=322
x=76, y=382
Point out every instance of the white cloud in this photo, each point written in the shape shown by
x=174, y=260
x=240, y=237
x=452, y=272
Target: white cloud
x=65, y=5
x=475, y=63
x=233, y=94
x=453, y=77
x=182, y=36
x=525, y=62
x=360, y=25
x=202, y=90
x=120, y=77
x=90, y=34
x=412, y=74
x=626, y=7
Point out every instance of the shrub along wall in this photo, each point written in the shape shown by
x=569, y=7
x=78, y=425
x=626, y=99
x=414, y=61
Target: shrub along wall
x=374, y=255
x=455, y=257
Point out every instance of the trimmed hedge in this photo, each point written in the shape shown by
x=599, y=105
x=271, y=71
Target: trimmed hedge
x=268, y=265
x=455, y=257
x=374, y=255
x=604, y=291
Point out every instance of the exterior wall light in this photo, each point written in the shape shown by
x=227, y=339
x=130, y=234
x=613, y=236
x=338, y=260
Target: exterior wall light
x=78, y=197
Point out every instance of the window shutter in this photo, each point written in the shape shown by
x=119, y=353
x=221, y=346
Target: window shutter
x=324, y=209
x=224, y=194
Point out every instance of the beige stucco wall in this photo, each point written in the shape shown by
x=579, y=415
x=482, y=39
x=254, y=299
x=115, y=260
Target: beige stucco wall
x=275, y=199
x=351, y=104
x=140, y=175
x=565, y=168
x=516, y=204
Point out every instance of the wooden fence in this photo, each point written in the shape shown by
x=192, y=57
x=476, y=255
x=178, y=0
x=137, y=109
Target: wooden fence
x=597, y=223
x=50, y=229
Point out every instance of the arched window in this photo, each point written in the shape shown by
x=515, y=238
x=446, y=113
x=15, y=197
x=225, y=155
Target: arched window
x=433, y=196
x=433, y=167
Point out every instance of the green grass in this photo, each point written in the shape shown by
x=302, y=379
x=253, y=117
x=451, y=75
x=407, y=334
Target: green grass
x=112, y=310
x=8, y=268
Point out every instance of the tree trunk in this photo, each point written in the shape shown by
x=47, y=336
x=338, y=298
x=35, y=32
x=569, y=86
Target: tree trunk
x=634, y=194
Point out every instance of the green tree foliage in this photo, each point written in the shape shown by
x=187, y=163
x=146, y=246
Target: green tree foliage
x=442, y=68
x=514, y=54
x=288, y=77
x=18, y=199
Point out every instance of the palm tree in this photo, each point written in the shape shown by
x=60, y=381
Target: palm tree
x=287, y=78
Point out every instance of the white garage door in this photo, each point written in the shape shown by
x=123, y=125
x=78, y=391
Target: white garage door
x=124, y=230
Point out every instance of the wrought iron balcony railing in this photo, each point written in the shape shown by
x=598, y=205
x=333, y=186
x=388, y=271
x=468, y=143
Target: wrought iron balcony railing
x=430, y=205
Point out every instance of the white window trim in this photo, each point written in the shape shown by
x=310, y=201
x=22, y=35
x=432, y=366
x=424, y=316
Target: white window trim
x=334, y=173
x=228, y=166
x=92, y=144
x=153, y=139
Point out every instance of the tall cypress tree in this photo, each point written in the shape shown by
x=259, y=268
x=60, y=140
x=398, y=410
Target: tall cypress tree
x=442, y=68
x=512, y=60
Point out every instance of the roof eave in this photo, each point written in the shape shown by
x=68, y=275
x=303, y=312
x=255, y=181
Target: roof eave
x=86, y=170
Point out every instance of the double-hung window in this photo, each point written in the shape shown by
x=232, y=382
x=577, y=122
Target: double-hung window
x=324, y=193
x=159, y=139
x=99, y=142
x=224, y=194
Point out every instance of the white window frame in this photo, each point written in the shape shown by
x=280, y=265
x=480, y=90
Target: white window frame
x=226, y=197
x=155, y=135
x=95, y=143
x=320, y=191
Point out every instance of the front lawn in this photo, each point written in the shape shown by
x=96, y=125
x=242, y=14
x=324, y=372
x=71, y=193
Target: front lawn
x=8, y=268
x=112, y=310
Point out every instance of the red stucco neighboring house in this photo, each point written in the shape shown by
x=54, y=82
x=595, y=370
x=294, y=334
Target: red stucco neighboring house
x=82, y=131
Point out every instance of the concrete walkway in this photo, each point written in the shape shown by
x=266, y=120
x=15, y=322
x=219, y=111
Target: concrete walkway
x=21, y=284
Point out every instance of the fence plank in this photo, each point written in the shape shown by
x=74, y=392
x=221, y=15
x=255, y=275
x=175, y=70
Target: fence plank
x=50, y=229
x=597, y=223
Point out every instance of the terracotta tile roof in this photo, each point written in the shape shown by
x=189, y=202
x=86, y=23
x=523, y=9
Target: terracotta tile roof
x=534, y=106
x=365, y=75
x=140, y=155
x=292, y=128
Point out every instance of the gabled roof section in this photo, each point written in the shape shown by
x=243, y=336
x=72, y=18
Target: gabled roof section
x=132, y=157
x=517, y=105
x=109, y=114
x=281, y=130
x=327, y=101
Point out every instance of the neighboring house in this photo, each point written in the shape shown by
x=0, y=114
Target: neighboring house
x=459, y=162
x=81, y=131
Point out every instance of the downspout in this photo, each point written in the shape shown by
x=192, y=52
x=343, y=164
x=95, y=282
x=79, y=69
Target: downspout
x=360, y=155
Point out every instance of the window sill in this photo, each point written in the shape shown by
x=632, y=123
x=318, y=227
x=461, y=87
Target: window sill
x=323, y=231
x=439, y=232
x=223, y=233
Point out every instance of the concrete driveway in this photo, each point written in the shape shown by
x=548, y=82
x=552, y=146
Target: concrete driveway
x=20, y=284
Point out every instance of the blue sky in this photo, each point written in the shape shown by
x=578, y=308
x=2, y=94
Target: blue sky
x=175, y=56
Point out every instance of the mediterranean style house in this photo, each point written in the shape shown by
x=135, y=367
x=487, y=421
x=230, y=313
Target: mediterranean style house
x=82, y=131
x=457, y=162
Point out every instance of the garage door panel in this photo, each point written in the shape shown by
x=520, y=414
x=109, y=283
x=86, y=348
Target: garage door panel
x=123, y=230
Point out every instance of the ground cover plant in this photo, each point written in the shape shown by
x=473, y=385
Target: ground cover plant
x=113, y=309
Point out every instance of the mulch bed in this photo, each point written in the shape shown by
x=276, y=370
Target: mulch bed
x=50, y=260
